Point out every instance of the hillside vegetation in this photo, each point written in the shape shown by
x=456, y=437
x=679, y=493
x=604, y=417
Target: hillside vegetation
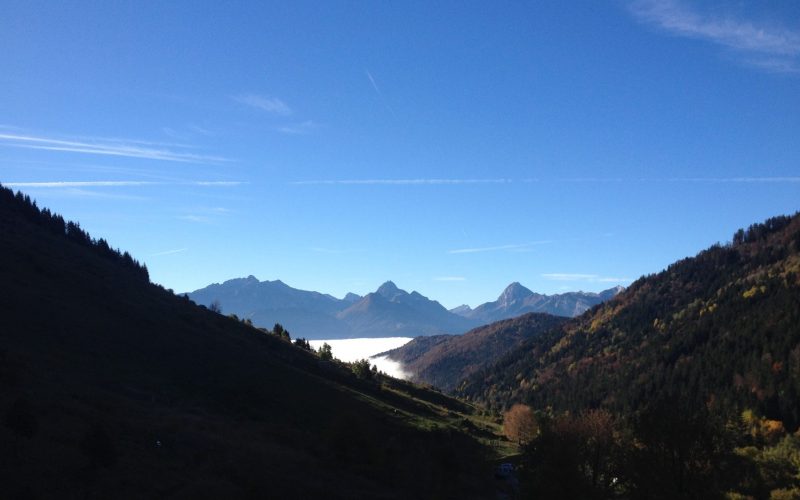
x=445, y=360
x=112, y=387
x=721, y=328
x=685, y=385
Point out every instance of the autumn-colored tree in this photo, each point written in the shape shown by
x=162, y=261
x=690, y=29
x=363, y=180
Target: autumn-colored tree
x=519, y=424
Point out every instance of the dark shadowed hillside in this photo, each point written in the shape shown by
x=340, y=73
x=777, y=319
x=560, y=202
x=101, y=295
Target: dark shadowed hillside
x=112, y=387
x=444, y=360
x=719, y=330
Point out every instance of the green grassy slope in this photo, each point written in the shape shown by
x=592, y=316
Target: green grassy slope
x=111, y=387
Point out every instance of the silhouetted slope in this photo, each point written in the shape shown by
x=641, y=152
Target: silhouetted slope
x=721, y=329
x=444, y=360
x=112, y=387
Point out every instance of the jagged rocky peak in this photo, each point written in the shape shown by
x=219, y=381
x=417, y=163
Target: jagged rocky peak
x=352, y=297
x=611, y=292
x=514, y=292
x=462, y=309
x=242, y=281
x=389, y=290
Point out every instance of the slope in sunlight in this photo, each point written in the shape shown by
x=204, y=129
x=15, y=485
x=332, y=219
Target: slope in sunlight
x=721, y=329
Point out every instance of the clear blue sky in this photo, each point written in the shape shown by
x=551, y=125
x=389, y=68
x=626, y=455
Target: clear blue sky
x=452, y=148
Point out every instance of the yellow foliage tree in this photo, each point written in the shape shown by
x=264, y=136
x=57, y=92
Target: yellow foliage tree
x=519, y=424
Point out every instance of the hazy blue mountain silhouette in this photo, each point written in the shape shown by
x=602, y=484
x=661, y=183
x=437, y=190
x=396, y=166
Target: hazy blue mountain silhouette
x=387, y=312
x=517, y=300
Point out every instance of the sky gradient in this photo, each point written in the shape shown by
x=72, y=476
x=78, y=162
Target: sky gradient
x=452, y=148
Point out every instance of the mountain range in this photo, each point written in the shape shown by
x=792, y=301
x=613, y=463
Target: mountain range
x=517, y=300
x=387, y=312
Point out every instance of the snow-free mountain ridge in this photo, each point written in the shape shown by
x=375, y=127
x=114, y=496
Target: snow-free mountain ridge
x=388, y=312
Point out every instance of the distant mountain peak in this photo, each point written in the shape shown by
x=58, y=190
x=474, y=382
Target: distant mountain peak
x=352, y=297
x=389, y=290
x=514, y=292
x=611, y=292
x=461, y=310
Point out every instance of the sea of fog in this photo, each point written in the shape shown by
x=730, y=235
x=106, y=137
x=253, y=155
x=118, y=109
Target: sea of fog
x=355, y=349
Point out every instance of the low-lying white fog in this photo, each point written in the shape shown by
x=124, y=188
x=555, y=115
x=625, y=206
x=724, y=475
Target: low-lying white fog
x=355, y=349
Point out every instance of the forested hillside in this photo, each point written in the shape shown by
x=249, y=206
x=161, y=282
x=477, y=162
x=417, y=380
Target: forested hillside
x=721, y=329
x=685, y=385
x=445, y=360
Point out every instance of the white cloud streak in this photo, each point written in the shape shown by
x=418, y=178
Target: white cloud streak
x=89, y=184
x=302, y=128
x=268, y=104
x=380, y=94
x=516, y=247
x=399, y=182
x=105, y=147
x=169, y=252
x=769, y=47
x=594, y=278
x=79, y=184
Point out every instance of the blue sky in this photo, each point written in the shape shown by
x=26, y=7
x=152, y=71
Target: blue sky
x=452, y=148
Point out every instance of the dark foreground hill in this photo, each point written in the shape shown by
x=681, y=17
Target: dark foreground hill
x=445, y=360
x=721, y=330
x=111, y=387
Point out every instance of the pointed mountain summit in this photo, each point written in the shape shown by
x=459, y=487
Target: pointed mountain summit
x=393, y=312
x=611, y=292
x=461, y=310
x=390, y=291
x=517, y=300
x=513, y=293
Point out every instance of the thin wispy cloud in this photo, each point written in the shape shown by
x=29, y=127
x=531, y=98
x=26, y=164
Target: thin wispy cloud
x=204, y=219
x=770, y=47
x=217, y=183
x=399, y=182
x=449, y=278
x=79, y=184
x=95, y=184
x=169, y=252
x=71, y=192
x=512, y=248
x=302, y=128
x=738, y=180
x=708, y=180
x=268, y=104
x=379, y=93
x=593, y=278
x=106, y=147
